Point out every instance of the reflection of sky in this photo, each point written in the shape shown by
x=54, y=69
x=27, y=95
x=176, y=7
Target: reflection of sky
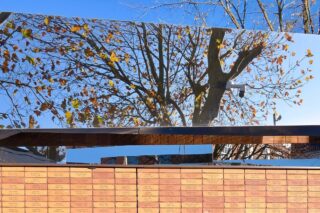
x=308, y=113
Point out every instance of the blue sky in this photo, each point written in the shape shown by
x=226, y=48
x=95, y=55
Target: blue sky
x=133, y=10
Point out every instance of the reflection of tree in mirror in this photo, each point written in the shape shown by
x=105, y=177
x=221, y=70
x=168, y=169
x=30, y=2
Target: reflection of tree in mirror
x=87, y=72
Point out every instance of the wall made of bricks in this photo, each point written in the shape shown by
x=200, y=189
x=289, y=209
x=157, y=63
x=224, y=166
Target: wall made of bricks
x=101, y=190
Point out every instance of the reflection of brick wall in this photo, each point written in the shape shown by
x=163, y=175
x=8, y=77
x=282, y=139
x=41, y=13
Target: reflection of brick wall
x=102, y=190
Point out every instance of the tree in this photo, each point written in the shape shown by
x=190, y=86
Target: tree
x=89, y=72
x=274, y=15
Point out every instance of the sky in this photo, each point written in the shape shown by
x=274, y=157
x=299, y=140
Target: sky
x=134, y=10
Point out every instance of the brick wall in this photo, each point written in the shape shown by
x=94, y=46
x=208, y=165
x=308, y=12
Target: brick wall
x=100, y=190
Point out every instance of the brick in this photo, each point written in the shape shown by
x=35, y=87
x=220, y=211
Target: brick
x=36, y=174
x=233, y=171
x=125, y=175
x=276, y=177
x=255, y=199
x=36, y=210
x=81, y=174
x=212, y=176
x=191, y=205
x=121, y=198
x=126, y=205
x=169, y=175
x=102, y=175
x=12, y=169
x=255, y=176
x=104, y=186
x=191, y=175
x=233, y=176
x=191, y=171
x=255, y=171
x=297, y=177
x=13, y=186
x=13, y=210
x=58, y=174
x=126, y=181
x=191, y=181
x=58, y=204
x=254, y=205
x=127, y=170
x=212, y=181
x=36, y=186
x=149, y=204
x=148, y=175
x=191, y=187
x=148, y=187
x=216, y=171
x=35, y=180
x=36, y=204
x=13, y=204
x=303, y=172
x=148, y=210
x=59, y=210
x=234, y=205
x=59, y=186
x=276, y=205
x=234, y=182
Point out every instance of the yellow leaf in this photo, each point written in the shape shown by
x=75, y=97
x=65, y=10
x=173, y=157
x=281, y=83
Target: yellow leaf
x=75, y=28
x=136, y=121
x=285, y=47
x=86, y=27
x=309, y=53
x=27, y=33
x=113, y=57
x=47, y=21
x=132, y=86
x=109, y=37
x=111, y=84
x=126, y=57
x=75, y=103
x=103, y=56
x=311, y=62
x=69, y=117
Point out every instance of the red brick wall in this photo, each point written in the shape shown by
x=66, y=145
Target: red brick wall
x=100, y=190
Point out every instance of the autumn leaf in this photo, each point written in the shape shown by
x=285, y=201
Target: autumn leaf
x=69, y=117
x=132, y=86
x=75, y=28
x=113, y=57
x=27, y=33
x=285, y=47
x=288, y=37
x=126, y=58
x=109, y=37
x=309, y=53
x=75, y=103
x=86, y=27
x=136, y=121
x=111, y=84
x=311, y=62
x=10, y=25
x=62, y=82
x=47, y=21
x=88, y=52
x=97, y=121
x=280, y=60
x=31, y=60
